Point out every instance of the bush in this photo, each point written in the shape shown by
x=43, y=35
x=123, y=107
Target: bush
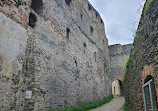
x=126, y=108
x=87, y=106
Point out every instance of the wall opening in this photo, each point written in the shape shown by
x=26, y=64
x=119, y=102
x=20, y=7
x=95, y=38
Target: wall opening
x=95, y=56
x=114, y=90
x=81, y=17
x=104, y=66
x=101, y=21
x=149, y=94
x=103, y=41
x=76, y=63
x=148, y=78
x=67, y=33
x=68, y=2
x=19, y=2
x=37, y=6
x=84, y=44
x=96, y=14
x=89, y=7
x=121, y=87
x=116, y=87
x=32, y=20
x=92, y=30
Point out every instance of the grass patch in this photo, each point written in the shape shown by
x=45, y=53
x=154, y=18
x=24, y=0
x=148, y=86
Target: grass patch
x=126, y=108
x=87, y=106
x=147, y=5
x=117, y=95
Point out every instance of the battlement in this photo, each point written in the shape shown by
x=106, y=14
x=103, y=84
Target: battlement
x=117, y=49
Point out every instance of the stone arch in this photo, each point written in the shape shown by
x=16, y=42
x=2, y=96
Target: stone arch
x=116, y=87
x=148, y=78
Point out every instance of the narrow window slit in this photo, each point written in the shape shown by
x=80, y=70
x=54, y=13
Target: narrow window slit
x=89, y=7
x=67, y=33
x=32, y=20
x=68, y=2
x=91, y=29
x=81, y=17
x=95, y=56
x=37, y=6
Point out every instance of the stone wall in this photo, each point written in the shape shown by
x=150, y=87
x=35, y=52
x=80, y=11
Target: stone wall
x=55, y=48
x=118, y=55
x=143, y=58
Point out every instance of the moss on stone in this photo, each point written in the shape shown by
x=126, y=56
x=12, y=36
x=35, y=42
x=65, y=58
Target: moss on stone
x=147, y=5
x=129, y=59
x=132, y=48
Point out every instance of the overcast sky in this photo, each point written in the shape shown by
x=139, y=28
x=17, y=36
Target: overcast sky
x=120, y=18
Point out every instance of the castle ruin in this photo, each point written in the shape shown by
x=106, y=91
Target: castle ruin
x=53, y=54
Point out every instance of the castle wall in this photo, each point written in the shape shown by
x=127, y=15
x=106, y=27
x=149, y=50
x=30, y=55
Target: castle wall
x=143, y=58
x=118, y=55
x=58, y=51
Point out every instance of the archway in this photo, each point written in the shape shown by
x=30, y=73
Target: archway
x=149, y=94
x=116, y=87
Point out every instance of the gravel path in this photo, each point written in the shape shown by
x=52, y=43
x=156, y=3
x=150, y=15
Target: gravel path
x=114, y=105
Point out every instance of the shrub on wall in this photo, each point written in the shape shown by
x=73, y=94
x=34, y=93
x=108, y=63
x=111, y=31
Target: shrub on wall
x=129, y=59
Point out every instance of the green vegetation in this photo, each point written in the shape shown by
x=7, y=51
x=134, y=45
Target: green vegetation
x=132, y=48
x=129, y=59
x=116, y=95
x=126, y=108
x=132, y=51
x=87, y=106
x=147, y=5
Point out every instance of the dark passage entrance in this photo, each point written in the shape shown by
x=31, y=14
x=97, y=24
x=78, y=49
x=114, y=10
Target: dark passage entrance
x=149, y=93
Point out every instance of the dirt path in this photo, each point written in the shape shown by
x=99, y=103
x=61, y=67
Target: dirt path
x=114, y=105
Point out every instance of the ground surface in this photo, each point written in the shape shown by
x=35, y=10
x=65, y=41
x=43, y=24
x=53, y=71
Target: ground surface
x=114, y=105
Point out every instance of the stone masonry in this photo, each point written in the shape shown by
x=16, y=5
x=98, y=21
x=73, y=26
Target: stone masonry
x=55, y=48
x=118, y=55
x=143, y=62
